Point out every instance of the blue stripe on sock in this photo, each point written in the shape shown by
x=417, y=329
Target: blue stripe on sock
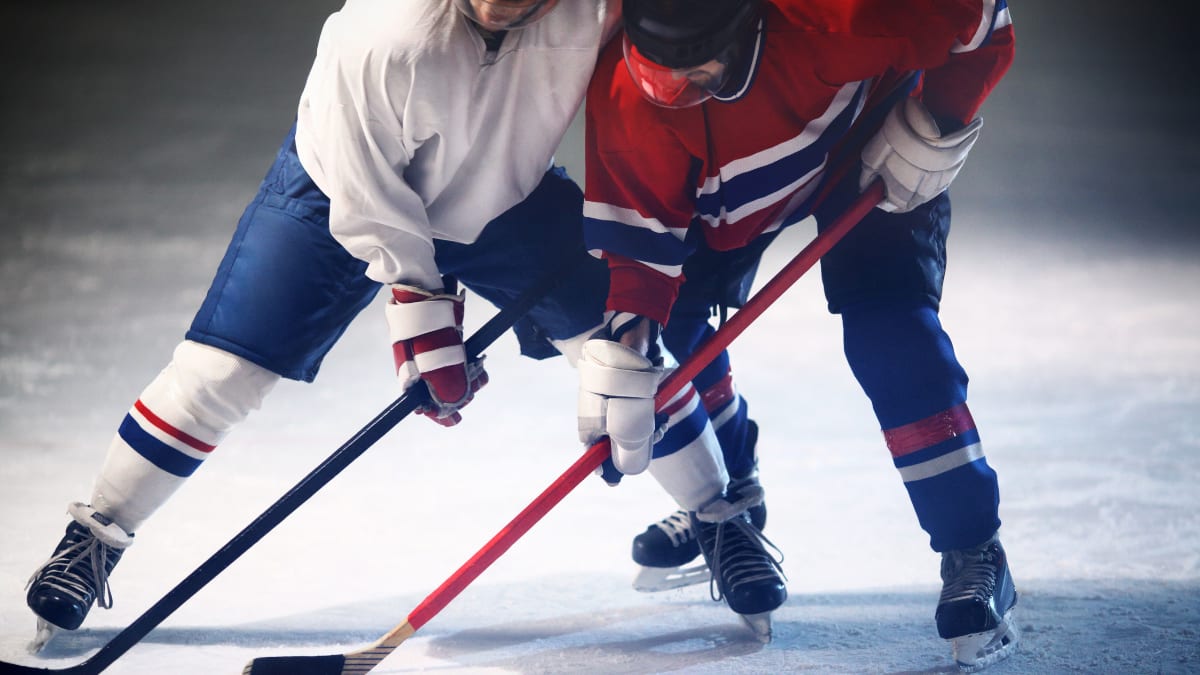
x=155, y=451
x=684, y=432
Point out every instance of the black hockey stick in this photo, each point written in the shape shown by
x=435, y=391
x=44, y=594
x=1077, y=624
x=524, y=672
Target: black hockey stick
x=501, y=322
x=362, y=661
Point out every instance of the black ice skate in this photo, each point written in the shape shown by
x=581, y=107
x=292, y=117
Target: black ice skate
x=62, y=591
x=667, y=548
x=975, y=609
x=743, y=573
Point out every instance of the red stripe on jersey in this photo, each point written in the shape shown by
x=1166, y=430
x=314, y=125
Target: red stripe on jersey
x=171, y=431
x=930, y=431
x=719, y=394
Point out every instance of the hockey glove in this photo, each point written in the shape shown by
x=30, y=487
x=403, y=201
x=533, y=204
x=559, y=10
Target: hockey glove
x=427, y=342
x=912, y=157
x=617, y=384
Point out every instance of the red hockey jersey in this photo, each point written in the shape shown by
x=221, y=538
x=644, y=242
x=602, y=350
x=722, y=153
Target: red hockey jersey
x=731, y=169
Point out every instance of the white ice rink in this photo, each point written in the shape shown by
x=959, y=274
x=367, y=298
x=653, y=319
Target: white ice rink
x=133, y=135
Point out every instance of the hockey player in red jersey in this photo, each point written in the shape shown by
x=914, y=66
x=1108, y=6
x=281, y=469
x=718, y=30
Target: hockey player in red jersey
x=715, y=123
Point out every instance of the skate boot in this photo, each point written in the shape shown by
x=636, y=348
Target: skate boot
x=62, y=591
x=748, y=578
x=666, y=549
x=975, y=609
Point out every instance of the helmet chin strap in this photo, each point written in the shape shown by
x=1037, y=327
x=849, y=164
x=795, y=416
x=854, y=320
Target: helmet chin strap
x=742, y=61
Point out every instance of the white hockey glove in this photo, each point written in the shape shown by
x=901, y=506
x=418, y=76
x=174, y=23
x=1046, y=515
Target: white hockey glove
x=617, y=385
x=912, y=157
x=427, y=343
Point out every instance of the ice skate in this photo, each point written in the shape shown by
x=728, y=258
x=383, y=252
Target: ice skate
x=748, y=578
x=974, y=612
x=62, y=591
x=667, y=548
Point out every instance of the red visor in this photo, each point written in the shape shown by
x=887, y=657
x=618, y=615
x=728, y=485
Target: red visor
x=674, y=87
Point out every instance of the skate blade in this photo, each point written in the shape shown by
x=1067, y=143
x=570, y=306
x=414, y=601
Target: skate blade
x=45, y=632
x=977, y=651
x=655, y=579
x=760, y=624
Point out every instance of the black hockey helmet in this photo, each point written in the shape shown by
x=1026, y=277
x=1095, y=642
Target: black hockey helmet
x=673, y=47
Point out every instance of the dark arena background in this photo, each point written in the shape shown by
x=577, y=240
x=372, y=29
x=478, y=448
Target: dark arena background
x=134, y=133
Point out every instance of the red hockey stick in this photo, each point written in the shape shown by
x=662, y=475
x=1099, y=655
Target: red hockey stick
x=363, y=660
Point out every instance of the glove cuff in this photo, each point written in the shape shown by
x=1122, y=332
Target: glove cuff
x=413, y=311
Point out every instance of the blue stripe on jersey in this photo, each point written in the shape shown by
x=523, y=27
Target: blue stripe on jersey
x=944, y=448
x=659, y=248
x=155, y=451
x=746, y=187
x=1001, y=5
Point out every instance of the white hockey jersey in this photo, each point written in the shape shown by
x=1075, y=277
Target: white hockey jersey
x=416, y=132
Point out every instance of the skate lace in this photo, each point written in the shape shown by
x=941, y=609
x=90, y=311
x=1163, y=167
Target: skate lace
x=969, y=574
x=744, y=560
x=678, y=527
x=79, y=570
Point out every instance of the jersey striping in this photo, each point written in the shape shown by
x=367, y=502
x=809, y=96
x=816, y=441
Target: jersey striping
x=816, y=67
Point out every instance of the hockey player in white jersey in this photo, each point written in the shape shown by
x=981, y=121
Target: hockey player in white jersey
x=421, y=150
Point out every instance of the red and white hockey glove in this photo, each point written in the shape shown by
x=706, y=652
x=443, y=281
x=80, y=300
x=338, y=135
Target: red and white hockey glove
x=913, y=158
x=427, y=342
x=617, y=384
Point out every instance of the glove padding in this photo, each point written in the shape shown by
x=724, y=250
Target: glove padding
x=617, y=385
x=912, y=157
x=427, y=343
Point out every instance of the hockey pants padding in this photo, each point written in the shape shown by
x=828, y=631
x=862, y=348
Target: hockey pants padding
x=906, y=365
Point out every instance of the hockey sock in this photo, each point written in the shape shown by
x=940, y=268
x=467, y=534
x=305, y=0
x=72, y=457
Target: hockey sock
x=725, y=405
x=906, y=365
x=173, y=426
x=687, y=461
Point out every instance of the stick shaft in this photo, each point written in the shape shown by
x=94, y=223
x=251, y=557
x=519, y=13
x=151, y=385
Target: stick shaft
x=595, y=455
x=333, y=465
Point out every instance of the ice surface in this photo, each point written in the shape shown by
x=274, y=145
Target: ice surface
x=132, y=140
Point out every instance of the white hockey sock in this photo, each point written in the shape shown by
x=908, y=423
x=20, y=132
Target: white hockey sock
x=171, y=429
x=694, y=474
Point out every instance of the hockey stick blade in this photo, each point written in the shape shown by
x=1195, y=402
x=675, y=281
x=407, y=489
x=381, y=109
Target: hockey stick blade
x=362, y=661
x=300, y=493
x=350, y=663
x=333, y=664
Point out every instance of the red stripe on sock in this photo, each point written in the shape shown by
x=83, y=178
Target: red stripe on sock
x=170, y=430
x=680, y=402
x=930, y=431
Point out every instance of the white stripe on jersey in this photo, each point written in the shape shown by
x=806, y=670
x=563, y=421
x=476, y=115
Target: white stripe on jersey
x=811, y=133
x=617, y=214
x=989, y=20
x=940, y=465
